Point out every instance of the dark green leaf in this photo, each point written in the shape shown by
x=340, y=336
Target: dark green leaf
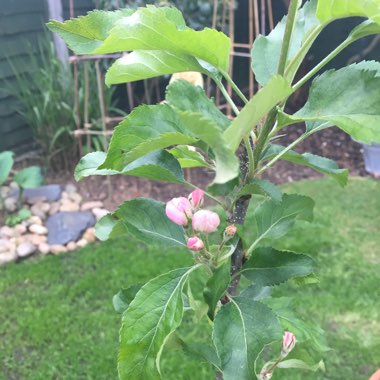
x=216, y=287
x=145, y=130
x=320, y=164
x=271, y=220
x=334, y=100
x=241, y=330
x=262, y=187
x=187, y=97
x=159, y=166
x=6, y=163
x=305, y=330
x=124, y=297
x=29, y=178
x=203, y=352
x=223, y=189
x=267, y=266
x=146, y=220
x=274, y=92
x=154, y=314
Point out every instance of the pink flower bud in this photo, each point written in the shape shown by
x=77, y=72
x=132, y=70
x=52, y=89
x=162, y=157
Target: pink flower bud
x=288, y=343
x=206, y=221
x=196, y=198
x=178, y=210
x=195, y=244
x=231, y=230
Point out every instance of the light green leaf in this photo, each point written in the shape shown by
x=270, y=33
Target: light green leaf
x=320, y=164
x=300, y=364
x=275, y=91
x=364, y=29
x=145, y=130
x=189, y=158
x=267, y=266
x=154, y=314
x=87, y=33
x=6, y=163
x=328, y=10
x=369, y=66
x=266, y=49
x=272, y=220
x=146, y=64
x=216, y=287
x=159, y=166
x=334, y=100
x=187, y=97
x=205, y=129
x=241, y=330
x=124, y=297
x=312, y=18
x=262, y=187
x=146, y=220
x=148, y=28
x=110, y=227
x=29, y=178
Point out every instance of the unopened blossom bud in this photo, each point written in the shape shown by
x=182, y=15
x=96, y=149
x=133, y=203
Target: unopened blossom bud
x=230, y=230
x=288, y=343
x=206, y=221
x=195, y=244
x=178, y=210
x=196, y=198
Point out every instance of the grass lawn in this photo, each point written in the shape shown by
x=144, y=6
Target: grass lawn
x=57, y=319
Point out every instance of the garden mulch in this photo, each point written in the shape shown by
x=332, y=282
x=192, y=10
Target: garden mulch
x=331, y=143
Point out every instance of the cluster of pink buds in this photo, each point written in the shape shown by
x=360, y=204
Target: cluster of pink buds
x=183, y=210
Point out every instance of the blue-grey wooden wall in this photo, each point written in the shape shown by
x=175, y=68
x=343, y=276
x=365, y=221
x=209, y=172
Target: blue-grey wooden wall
x=21, y=25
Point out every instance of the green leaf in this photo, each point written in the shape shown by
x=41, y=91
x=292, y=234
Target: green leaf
x=159, y=166
x=205, y=129
x=145, y=130
x=110, y=227
x=87, y=33
x=320, y=164
x=187, y=97
x=274, y=92
x=124, y=297
x=146, y=64
x=262, y=187
x=369, y=66
x=328, y=10
x=148, y=28
x=154, y=314
x=216, y=287
x=241, y=330
x=304, y=329
x=333, y=100
x=203, y=352
x=146, y=220
x=29, y=178
x=6, y=163
x=300, y=364
x=267, y=266
x=267, y=49
x=272, y=220
x=364, y=29
x=189, y=158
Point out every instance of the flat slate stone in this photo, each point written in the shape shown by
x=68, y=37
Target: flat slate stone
x=50, y=192
x=64, y=227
